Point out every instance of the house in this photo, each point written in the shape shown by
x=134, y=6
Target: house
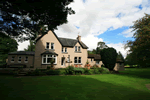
x=64, y=51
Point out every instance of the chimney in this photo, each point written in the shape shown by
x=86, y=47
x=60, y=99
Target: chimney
x=79, y=38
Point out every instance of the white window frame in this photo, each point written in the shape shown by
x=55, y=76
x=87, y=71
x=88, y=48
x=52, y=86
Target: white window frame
x=18, y=59
x=49, y=57
x=78, y=60
x=13, y=57
x=25, y=59
x=47, y=45
x=68, y=60
x=52, y=45
x=75, y=48
x=65, y=49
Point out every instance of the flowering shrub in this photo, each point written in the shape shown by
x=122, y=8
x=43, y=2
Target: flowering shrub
x=87, y=65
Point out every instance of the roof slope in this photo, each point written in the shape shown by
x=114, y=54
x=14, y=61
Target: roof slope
x=66, y=42
x=22, y=53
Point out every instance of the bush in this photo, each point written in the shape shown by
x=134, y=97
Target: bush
x=69, y=70
x=36, y=72
x=87, y=71
x=48, y=67
x=31, y=66
x=54, y=72
x=100, y=70
x=79, y=70
x=95, y=66
x=96, y=71
x=105, y=71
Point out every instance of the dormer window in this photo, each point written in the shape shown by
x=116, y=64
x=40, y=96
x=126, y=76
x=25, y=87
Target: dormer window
x=65, y=49
x=52, y=46
x=78, y=48
x=75, y=48
x=47, y=45
x=62, y=49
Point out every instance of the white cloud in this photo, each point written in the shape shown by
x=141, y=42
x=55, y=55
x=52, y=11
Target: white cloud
x=94, y=17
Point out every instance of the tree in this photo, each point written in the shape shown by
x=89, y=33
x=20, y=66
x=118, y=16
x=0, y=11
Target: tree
x=30, y=47
x=21, y=17
x=140, y=47
x=130, y=59
x=120, y=56
x=7, y=45
x=108, y=56
x=101, y=45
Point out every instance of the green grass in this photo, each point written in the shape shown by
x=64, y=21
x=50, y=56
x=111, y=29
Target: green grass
x=127, y=86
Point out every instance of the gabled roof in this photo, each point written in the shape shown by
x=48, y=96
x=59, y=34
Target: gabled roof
x=66, y=42
x=22, y=53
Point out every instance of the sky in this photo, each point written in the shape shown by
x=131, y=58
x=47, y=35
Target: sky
x=102, y=21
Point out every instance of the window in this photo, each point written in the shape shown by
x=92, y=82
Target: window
x=97, y=62
x=46, y=59
x=65, y=49
x=26, y=59
x=91, y=59
x=62, y=49
x=12, y=59
x=19, y=59
x=47, y=45
x=75, y=48
x=79, y=48
x=77, y=59
x=52, y=45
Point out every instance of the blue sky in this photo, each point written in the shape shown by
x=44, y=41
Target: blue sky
x=102, y=20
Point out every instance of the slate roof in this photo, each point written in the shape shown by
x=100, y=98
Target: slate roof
x=98, y=57
x=95, y=56
x=22, y=53
x=66, y=42
x=49, y=52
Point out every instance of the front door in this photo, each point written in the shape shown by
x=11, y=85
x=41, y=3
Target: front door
x=62, y=61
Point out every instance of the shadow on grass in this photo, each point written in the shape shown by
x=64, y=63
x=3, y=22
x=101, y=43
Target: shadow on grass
x=66, y=88
x=136, y=72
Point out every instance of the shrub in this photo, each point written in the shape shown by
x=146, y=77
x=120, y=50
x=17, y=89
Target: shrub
x=96, y=71
x=80, y=70
x=36, y=72
x=95, y=66
x=87, y=71
x=53, y=72
x=100, y=70
x=31, y=66
x=48, y=67
x=69, y=70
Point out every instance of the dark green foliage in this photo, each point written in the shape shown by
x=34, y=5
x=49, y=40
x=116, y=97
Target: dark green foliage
x=87, y=71
x=96, y=71
x=69, y=70
x=79, y=70
x=53, y=72
x=31, y=15
x=108, y=56
x=7, y=45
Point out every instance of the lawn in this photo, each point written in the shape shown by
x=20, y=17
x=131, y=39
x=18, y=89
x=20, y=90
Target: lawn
x=125, y=86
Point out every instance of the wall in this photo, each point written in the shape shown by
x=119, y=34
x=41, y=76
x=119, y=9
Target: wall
x=28, y=64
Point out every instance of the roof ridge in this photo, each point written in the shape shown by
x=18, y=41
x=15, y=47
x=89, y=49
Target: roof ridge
x=67, y=38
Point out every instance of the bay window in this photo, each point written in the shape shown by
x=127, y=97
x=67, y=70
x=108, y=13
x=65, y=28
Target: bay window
x=46, y=59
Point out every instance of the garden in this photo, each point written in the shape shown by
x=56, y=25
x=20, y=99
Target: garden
x=129, y=84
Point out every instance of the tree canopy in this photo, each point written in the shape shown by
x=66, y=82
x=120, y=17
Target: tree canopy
x=7, y=45
x=140, y=47
x=20, y=17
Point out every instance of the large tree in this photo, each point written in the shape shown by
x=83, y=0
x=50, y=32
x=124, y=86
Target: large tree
x=20, y=17
x=140, y=47
x=7, y=45
x=108, y=56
